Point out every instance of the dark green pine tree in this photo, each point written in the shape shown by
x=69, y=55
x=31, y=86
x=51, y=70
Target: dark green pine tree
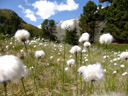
x=44, y=29
x=88, y=19
x=71, y=37
x=48, y=30
x=117, y=20
x=52, y=30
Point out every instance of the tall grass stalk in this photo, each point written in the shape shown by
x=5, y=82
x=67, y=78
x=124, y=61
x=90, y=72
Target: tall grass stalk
x=76, y=74
x=34, y=78
x=89, y=55
x=81, y=55
x=23, y=86
x=25, y=47
x=5, y=88
x=63, y=69
x=91, y=89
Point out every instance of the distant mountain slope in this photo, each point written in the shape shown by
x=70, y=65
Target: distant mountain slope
x=10, y=22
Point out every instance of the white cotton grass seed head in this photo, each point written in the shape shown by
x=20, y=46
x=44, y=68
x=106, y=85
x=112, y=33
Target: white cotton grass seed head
x=39, y=54
x=84, y=51
x=75, y=49
x=122, y=66
x=114, y=72
x=68, y=25
x=66, y=69
x=11, y=68
x=71, y=62
x=93, y=72
x=106, y=39
x=87, y=44
x=125, y=73
x=84, y=38
x=81, y=69
x=22, y=35
x=124, y=55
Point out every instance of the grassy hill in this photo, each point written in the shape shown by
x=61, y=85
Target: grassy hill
x=10, y=22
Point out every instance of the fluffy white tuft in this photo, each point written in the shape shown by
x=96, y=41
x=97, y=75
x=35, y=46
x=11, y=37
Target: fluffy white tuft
x=81, y=69
x=93, y=73
x=22, y=35
x=68, y=25
x=87, y=45
x=11, y=68
x=71, y=62
x=106, y=39
x=84, y=38
x=39, y=54
x=75, y=49
x=124, y=55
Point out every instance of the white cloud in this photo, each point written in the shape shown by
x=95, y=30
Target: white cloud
x=28, y=13
x=71, y=5
x=20, y=6
x=46, y=8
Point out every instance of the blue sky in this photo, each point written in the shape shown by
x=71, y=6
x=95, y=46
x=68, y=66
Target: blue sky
x=35, y=11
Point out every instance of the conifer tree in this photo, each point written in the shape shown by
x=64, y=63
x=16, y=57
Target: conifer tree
x=88, y=20
x=71, y=36
x=117, y=20
x=48, y=29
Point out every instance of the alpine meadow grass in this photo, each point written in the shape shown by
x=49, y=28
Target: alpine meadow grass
x=49, y=71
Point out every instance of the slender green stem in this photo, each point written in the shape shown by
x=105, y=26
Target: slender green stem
x=89, y=55
x=63, y=70
x=80, y=76
x=5, y=88
x=34, y=78
x=25, y=46
x=92, y=86
x=76, y=75
x=23, y=86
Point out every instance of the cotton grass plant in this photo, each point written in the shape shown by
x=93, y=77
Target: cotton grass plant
x=11, y=70
x=93, y=73
x=66, y=25
x=84, y=38
x=22, y=35
x=124, y=55
x=38, y=54
x=75, y=50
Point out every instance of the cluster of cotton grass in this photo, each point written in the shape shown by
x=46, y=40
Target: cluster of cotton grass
x=90, y=72
x=11, y=70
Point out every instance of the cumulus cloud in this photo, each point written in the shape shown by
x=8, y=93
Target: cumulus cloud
x=20, y=6
x=28, y=13
x=46, y=8
x=71, y=5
